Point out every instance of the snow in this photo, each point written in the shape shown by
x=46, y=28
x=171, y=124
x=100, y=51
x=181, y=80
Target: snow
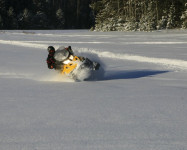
x=140, y=104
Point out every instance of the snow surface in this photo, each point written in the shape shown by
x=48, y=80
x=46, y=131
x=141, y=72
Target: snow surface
x=140, y=104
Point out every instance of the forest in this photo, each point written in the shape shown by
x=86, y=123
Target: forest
x=45, y=14
x=98, y=15
x=139, y=15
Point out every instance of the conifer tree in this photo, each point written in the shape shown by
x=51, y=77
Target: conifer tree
x=41, y=21
x=2, y=13
x=184, y=18
x=171, y=17
x=40, y=17
x=106, y=18
x=60, y=18
x=11, y=19
x=1, y=22
x=148, y=21
x=27, y=18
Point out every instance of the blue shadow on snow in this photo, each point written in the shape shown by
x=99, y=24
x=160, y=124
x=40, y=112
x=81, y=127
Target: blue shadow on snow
x=114, y=75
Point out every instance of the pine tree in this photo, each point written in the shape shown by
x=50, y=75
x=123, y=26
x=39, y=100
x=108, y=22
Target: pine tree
x=184, y=18
x=171, y=18
x=27, y=17
x=1, y=22
x=162, y=23
x=60, y=19
x=40, y=20
x=3, y=14
x=11, y=19
x=105, y=20
x=151, y=16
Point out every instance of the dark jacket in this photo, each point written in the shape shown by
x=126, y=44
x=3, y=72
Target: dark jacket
x=54, y=64
x=50, y=60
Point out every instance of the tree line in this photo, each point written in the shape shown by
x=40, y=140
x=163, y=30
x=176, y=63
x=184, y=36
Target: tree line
x=45, y=14
x=141, y=15
x=100, y=15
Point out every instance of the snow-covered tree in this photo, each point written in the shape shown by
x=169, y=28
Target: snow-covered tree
x=184, y=18
x=148, y=20
x=105, y=18
x=131, y=24
x=162, y=23
x=171, y=22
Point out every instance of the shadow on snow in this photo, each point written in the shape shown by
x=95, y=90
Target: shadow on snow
x=116, y=75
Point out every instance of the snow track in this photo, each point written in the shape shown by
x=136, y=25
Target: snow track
x=171, y=63
x=24, y=44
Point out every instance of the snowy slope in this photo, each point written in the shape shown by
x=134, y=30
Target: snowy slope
x=140, y=104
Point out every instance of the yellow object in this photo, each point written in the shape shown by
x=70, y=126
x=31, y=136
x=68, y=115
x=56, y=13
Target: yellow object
x=75, y=58
x=68, y=68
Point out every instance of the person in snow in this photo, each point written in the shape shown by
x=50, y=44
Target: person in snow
x=57, y=59
x=50, y=59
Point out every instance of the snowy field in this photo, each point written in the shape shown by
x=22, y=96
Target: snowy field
x=140, y=104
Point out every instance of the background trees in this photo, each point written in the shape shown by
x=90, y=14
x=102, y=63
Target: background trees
x=44, y=14
x=101, y=15
x=142, y=15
